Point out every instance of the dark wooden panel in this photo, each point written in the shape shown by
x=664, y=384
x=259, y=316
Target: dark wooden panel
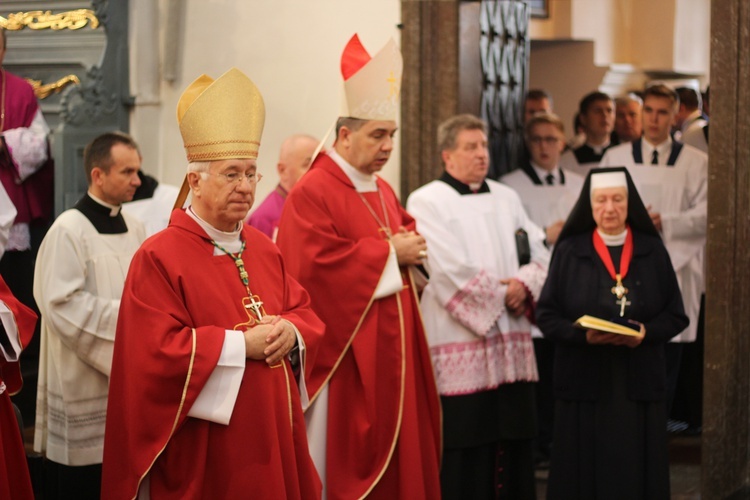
x=726, y=450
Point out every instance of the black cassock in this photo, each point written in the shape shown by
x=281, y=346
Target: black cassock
x=610, y=438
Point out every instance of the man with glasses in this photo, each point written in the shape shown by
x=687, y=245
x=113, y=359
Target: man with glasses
x=547, y=191
x=204, y=401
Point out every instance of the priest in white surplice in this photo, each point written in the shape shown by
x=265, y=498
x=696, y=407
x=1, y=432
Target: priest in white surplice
x=78, y=282
x=672, y=179
x=475, y=311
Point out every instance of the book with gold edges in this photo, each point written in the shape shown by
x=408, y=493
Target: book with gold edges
x=603, y=325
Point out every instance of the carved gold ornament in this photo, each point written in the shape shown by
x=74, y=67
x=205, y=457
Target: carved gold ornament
x=42, y=91
x=41, y=20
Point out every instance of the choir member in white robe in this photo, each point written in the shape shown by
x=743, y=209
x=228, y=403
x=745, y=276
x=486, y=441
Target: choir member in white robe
x=690, y=117
x=672, y=179
x=475, y=312
x=78, y=281
x=547, y=192
x=597, y=114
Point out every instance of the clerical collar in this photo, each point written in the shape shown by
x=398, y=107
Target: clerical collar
x=229, y=240
x=599, y=150
x=613, y=240
x=542, y=174
x=113, y=209
x=105, y=218
x=363, y=183
x=663, y=150
x=464, y=188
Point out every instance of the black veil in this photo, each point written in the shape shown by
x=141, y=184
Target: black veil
x=581, y=219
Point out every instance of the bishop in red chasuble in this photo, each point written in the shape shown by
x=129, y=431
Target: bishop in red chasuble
x=374, y=417
x=204, y=402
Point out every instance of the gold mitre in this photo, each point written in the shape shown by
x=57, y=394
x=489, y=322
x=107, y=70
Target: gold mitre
x=221, y=119
x=372, y=86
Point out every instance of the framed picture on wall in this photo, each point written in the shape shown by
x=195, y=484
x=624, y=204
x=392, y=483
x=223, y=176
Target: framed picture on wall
x=539, y=8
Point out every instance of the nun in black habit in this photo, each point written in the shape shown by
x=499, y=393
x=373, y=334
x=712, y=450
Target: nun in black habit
x=610, y=438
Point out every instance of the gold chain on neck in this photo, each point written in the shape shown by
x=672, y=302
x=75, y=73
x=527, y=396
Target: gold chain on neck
x=386, y=228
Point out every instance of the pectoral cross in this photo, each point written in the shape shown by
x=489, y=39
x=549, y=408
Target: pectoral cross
x=619, y=289
x=623, y=303
x=254, y=304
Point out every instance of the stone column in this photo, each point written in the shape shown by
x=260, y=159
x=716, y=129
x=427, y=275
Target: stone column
x=429, y=92
x=726, y=441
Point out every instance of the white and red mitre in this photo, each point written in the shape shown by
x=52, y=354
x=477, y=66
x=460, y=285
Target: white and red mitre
x=372, y=85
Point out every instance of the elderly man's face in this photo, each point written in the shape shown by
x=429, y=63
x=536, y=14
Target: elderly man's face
x=609, y=207
x=468, y=162
x=368, y=148
x=296, y=161
x=628, y=125
x=224, y=195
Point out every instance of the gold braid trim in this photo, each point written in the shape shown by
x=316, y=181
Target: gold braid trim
x=225, y=141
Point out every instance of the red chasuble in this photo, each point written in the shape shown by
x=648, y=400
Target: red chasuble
x=179, y=299
x=383, y=408
x=14, y=474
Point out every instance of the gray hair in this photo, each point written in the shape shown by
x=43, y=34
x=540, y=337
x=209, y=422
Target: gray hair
x=199, y=166
x=448, y=131
x=624, y=100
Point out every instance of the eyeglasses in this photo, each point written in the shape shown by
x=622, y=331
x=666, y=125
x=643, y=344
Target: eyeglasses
x=252, y=178
x=549, y=141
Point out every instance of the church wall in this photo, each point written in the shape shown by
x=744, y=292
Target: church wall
x=692, y=45
x=573, y=48
x=663, y=35
x=293, y=61
x=568, y=81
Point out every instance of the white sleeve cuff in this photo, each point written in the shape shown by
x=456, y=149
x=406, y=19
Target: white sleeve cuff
x=11, y=332
x=390, y=280
x=28, y=146
x=216, y=401
x=302, y=385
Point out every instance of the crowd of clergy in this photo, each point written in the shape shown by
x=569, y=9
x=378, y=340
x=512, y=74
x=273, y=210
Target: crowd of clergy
x=332, y=342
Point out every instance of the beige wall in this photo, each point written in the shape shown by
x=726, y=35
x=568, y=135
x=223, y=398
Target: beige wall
x=289, y=48
x=650, y=34
x=567, y=82
x=572, y=50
